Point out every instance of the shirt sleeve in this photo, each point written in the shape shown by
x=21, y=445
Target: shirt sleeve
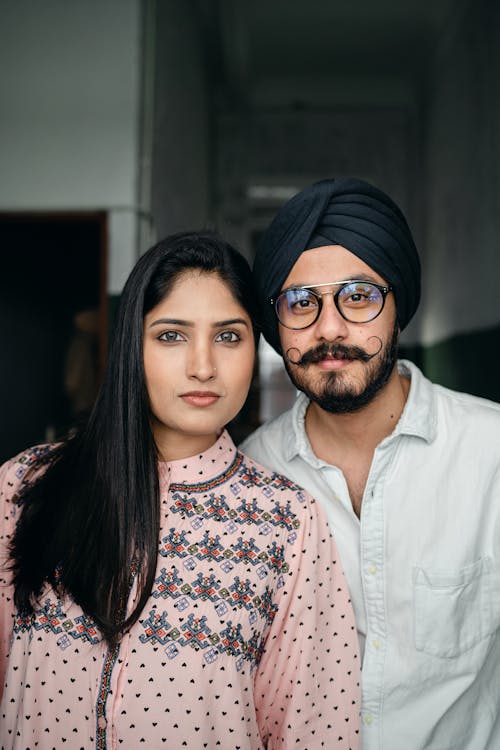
x=8, y=517
x=15, y=475
x=307, y=685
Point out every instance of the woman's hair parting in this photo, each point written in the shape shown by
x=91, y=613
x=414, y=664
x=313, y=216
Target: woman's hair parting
x=90, y=524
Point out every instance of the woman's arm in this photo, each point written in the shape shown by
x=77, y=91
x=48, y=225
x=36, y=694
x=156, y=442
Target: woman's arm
x=16, y=476
x=307, y=689
x=8, y=517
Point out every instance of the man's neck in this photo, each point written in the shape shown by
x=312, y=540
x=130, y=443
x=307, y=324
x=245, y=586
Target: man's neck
x=363, y=428
x=349, y=440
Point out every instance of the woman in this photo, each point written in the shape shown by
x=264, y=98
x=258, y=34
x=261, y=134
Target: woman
x=159, y=587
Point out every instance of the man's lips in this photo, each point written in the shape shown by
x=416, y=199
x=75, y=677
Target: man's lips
x=333, y=362
x=200, y=398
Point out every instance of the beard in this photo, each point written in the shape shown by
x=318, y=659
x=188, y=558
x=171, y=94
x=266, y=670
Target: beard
x=336, y=396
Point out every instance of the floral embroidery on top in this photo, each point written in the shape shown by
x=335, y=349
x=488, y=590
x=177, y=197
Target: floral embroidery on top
x=198, y=505
x=51, y=618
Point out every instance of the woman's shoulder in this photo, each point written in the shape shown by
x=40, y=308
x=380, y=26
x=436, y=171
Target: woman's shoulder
x=17, y=475
x=20, y=472
x=274, y=500
x=256, y=474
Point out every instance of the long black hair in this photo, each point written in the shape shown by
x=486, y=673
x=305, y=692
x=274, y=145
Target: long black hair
x=90, y=524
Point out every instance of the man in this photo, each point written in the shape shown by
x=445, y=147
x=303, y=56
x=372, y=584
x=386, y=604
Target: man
x=408, y=472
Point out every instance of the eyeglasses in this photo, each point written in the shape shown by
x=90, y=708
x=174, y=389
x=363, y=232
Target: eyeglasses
x=357, y=301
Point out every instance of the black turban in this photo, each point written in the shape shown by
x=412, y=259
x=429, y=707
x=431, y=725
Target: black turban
x=341, y=211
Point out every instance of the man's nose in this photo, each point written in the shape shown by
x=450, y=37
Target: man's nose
x=330, y=325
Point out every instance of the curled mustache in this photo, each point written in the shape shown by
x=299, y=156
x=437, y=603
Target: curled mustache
x=336, y=351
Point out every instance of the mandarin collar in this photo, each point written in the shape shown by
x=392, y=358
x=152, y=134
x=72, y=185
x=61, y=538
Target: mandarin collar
x=215, y=460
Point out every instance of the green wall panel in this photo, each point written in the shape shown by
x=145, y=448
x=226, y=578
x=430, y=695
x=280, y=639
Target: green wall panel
x=467, y=362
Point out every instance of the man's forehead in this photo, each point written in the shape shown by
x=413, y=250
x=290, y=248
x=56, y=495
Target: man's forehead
x=329, y=263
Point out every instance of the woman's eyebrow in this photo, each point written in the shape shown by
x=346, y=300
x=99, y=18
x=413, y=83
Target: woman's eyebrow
x=230, y=322
x=179, y=322
x=171, y=322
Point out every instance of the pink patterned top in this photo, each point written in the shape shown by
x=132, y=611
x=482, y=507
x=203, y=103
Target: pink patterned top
x=247, y=640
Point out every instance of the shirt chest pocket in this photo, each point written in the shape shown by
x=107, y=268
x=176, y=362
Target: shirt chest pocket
x=452, y=609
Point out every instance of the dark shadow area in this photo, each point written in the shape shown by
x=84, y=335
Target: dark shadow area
x=51, y=270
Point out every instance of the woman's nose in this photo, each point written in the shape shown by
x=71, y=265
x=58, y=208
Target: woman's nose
x=201, y=364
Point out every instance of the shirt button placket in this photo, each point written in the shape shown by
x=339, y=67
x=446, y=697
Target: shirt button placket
x=372, y=540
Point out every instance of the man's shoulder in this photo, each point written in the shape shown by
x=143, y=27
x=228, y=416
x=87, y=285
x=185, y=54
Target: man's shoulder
x=447, y=405
x=466, y=404
x=469, y=423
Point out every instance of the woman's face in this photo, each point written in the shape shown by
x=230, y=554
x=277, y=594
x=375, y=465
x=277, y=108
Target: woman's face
x=198, y=359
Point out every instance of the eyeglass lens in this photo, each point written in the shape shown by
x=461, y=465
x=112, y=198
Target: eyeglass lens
x=357, y=302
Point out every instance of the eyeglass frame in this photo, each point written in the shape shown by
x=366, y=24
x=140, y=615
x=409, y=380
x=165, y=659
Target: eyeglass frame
x=383, y=288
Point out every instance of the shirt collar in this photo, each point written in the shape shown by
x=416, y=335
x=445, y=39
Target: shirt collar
x=418, y=418
x=215, y=460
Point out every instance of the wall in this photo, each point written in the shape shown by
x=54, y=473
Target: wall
x=180, y=187
x=460, y=308
x=69, y=129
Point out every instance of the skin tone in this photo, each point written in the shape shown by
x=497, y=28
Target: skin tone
x=199, y=353
x=345, y=440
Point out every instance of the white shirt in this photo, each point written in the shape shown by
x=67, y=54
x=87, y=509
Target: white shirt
x=422, y=563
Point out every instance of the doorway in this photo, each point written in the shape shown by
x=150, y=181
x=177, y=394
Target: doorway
x=53, y=270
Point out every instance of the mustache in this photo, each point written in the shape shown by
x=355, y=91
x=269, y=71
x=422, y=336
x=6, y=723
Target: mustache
x=335, y=351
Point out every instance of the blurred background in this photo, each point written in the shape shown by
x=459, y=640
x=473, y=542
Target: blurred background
x=125, y=120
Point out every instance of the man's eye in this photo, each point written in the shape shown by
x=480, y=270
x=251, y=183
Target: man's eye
x=170, y=337
x=228, y=337
x=360, y=296
x=357, y=300
x=302, y=302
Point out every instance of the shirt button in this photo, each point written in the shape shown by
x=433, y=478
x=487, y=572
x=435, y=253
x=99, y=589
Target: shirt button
x=372, y=570
x=101, y=722
x=376, y=644
x=367, y=719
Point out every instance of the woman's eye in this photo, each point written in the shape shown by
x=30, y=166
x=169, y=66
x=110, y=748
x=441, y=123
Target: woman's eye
x=170, y=337
x=228, y=337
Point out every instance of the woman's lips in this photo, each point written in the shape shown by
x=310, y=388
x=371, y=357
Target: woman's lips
x=200, y=398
